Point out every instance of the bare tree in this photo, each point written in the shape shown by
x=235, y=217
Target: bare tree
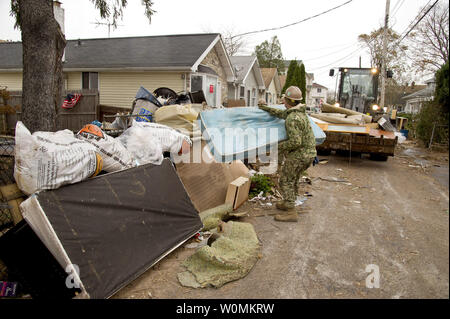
x=233, y=43
x=430, y=41
x=396, y=54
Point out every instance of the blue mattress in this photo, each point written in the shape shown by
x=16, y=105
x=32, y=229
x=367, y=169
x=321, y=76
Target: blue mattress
x=242, y=132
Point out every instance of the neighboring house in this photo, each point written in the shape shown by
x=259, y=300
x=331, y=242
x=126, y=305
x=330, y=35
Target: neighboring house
x=117, y=67
x=318, y=94
x=400, y=92
x=286, y=66
x=272, y=84
x=250, y=84
x=415, y=100
x=282, y=80
x=309, y=85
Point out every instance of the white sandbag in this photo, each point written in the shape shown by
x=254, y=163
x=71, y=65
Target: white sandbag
x=148, y=141
x=47, y=160
x=141, y=147
x=115, y=156
x=170, y=139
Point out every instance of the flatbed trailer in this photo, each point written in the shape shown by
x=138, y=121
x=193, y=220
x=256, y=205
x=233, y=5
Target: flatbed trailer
x=379, y=148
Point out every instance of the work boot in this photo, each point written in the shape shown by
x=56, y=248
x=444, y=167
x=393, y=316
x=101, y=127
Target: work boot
x=287, y=217
x=283, y=205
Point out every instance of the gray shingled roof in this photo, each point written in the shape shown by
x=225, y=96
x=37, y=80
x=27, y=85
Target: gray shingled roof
x=426, y=92
x=242, y=65
x=170, y=51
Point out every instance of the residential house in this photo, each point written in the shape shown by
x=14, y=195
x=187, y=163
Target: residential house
x=286, y=66
x=309, y=86
x=415, y=100
x=250, y=84
x=272, y=84
x=117, y=67
x=318, y=94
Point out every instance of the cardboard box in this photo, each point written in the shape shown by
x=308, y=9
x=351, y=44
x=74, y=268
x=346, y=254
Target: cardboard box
x=207, y=184
x=237, y=192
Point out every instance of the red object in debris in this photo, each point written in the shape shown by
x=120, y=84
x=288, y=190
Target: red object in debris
x=211, y=88
x=71, y=100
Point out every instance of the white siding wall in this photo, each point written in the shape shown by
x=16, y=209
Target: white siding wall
x=273, y=91
x=119, y=88
x=73, y=81
x=11, y=80
x=116, y=88
x=250, y=84
x=318, y=95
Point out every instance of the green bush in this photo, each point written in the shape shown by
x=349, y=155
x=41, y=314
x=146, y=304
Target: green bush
x=436, y=113
x=431, y=114
x=260, y=183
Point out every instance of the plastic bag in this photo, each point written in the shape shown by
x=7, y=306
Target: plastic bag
x=47, y=160
x=145, y=108
x=115, y=156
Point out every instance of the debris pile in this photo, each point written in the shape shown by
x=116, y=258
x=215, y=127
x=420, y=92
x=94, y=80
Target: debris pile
x=92, y=195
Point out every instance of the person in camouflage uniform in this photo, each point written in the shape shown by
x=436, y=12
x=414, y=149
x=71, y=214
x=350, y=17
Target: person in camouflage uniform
x=298, y=151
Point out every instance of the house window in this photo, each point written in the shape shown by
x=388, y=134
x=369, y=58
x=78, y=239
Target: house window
x=319, y=90
x=253, y=97
x=90, y=80
x=196, y=83
x=242, y=92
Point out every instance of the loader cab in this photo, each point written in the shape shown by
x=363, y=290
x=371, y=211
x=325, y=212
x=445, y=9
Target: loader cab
x=358, y=89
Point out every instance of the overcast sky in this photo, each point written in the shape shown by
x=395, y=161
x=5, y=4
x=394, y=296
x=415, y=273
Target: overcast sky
x=327, y=41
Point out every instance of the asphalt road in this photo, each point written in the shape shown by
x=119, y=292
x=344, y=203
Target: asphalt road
x=390, y=218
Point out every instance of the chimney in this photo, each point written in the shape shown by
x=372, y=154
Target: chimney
x=58, y=12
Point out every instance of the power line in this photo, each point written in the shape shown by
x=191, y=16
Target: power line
x=397, y=7
x=291, y=24
x=331, y=53
x=417, y=17
x=330, y=47
x=339, y=60
x=423, y=16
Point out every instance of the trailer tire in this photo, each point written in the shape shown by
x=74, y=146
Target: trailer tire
x=378, y=157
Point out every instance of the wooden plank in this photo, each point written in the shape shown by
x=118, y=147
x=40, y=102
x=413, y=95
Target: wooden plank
x=10, y=192
x=15, y=210
x=379, y=133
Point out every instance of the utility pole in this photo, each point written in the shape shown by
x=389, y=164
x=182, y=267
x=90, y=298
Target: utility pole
x=383, y=59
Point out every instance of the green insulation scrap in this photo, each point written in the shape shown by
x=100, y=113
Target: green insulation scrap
x=230, y=257
x=211, y=218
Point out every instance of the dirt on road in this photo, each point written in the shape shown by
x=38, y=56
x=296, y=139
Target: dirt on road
x=392, y=215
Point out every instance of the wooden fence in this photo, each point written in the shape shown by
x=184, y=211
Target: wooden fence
x=85, y=111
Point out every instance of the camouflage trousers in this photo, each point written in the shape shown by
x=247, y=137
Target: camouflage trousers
x=290, y=173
